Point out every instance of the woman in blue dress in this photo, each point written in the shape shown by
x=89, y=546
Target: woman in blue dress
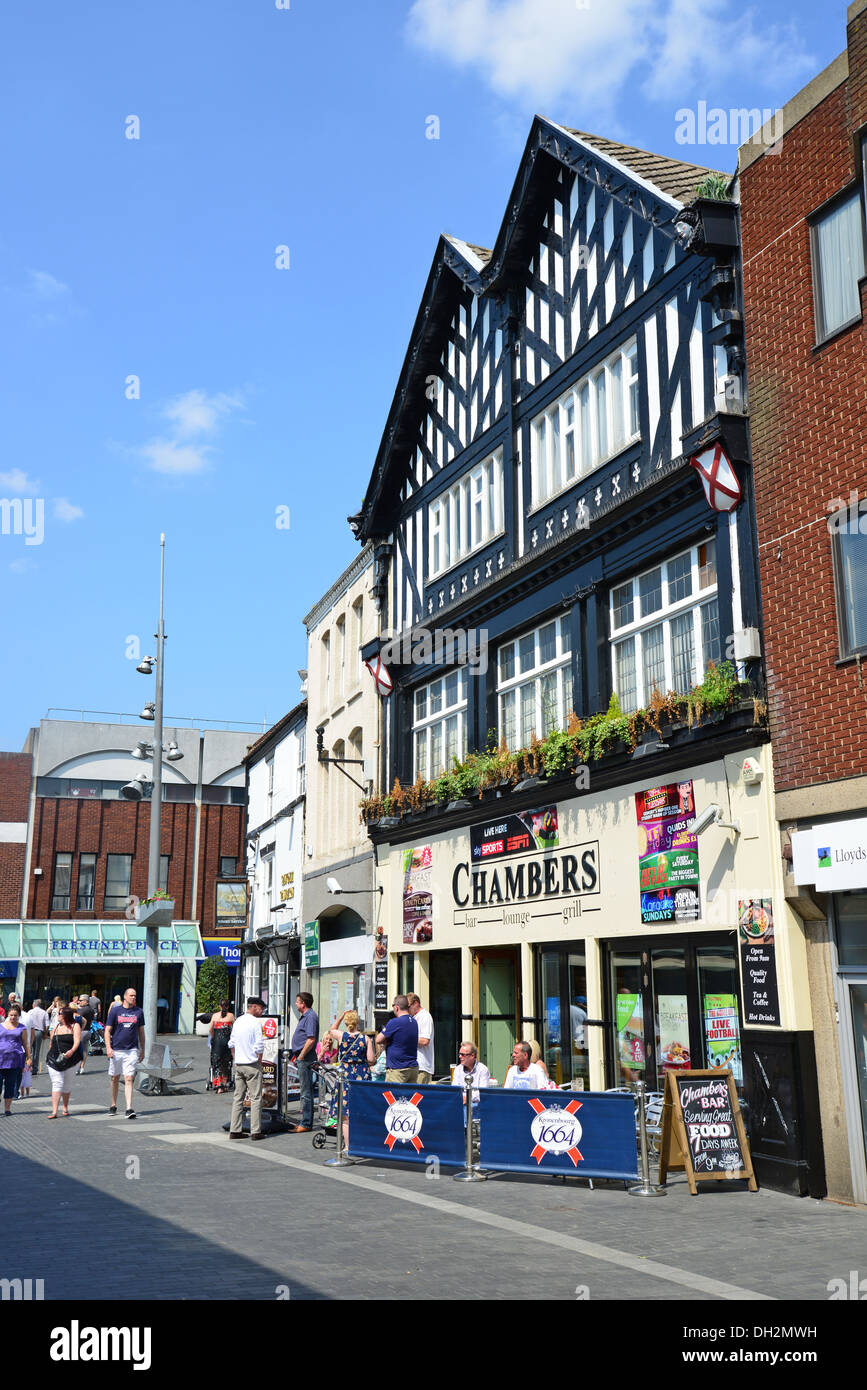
x=355, y=1053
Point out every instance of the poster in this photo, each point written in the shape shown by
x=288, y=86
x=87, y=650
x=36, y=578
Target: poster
x=417, y=896
x=335, y=1000
x=672, y=1015
x=667, y=854
x=722, y=1037
x=758, y=961
x=515, y=834
x=630, y=1032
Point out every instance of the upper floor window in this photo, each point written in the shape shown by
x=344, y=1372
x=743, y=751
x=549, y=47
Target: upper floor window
x=269, y=767
x=665, y=627
x=117, y=875
x=326, y=670
x=62, y=878
x=341, y=657
x=590, y=422
x=228, y=865
x=534, y=683
x=849, y=548
x=439, y=724
x=837, y=239
x=86, y=882
x=358, y=638
x=302, y=760
x=467, y=516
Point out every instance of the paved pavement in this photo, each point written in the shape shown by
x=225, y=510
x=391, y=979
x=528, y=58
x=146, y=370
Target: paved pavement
x=210, y=1219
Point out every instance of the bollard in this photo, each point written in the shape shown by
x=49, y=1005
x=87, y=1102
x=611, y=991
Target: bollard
x=341, y=1160
x=645, y=1188
x=469, y=1173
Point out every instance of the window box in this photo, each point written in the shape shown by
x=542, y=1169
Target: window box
x=155, y=914
x=718, y=221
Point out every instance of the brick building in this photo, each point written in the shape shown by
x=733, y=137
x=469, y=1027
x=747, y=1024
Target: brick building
x=74, y=857
x=803, y=239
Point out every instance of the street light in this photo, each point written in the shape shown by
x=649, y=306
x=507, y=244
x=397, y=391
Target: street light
x=135, y=790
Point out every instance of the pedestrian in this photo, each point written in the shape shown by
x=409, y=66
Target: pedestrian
x=14, y=1054
x=425, y=1025
x=54, y=1012
x=524, y=1075
x=304, y=1055
x=219, y=1029
x=400, y=1037
x=247, y=1045
x=63, y=1054
x=84, y=1017
x=355, y=1053
x=39, y=1030
x=96, y=1004
x=124, y=1046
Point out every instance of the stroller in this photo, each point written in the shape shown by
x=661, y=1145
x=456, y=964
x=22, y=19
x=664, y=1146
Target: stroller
x=97, y=1039
x=328, y=1078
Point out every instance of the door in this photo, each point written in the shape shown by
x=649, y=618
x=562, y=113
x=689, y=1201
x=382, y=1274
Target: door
x=561, y=990
x=496, y=980
x=445, y=1007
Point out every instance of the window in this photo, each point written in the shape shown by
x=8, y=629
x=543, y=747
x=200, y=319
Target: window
x=358, y=626
x=302, y=759
x=837, y=242
x=326, y=669
x=439, y=724
x=593, y=420
x=341, y=658
x=467, y=516
x=269, y=766
x=849, y=549
x=86, y=880
x=164, y=873
x=62, y=877
x=117, y=876
x=665, y=627
x=228, y=865
x=534, y=683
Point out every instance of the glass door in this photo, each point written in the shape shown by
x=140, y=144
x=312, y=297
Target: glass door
x=628, y=1002
x=562, y=990
x=858, y=1001
x=720, y=1015
x=670, y=1014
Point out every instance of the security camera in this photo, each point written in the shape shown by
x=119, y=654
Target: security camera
x=709, y=816
x=333, y=886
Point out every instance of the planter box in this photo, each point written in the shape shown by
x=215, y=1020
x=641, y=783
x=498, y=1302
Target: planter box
x=718, y=221
x=157, y=914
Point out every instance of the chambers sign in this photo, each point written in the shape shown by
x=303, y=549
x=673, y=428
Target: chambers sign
x=521, y=866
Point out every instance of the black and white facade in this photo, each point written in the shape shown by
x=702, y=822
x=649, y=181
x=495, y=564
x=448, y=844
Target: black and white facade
x=533, y=486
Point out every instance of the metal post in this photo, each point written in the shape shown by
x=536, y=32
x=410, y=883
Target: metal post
x=151, y=962
x=645, y=1188
x=341, y=1161
x=469, y=1173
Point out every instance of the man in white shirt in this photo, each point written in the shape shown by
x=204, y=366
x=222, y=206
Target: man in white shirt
x=37, y=1021
x=425, y=1038
x=470, y=1066
x=247, y=1044
x=524, y=1075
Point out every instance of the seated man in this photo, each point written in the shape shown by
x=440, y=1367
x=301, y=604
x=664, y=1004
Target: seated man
x=470, y=1066
x=524, y=1075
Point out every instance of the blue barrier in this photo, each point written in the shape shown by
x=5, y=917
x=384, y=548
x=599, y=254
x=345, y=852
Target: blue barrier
x=584, y=1133
x=408, y=1124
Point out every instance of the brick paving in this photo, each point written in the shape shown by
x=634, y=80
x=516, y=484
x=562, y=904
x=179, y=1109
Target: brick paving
x=211, y=1220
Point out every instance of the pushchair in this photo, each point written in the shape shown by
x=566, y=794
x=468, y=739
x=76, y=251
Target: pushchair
x=97, y=1039
x=326, y=1092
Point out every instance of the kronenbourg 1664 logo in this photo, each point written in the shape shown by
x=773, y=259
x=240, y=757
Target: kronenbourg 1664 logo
x=403, y=1121
x=556, y=1130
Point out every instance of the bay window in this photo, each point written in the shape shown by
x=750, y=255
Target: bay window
x=534, y=683
x=439, y=724
x=467, y=516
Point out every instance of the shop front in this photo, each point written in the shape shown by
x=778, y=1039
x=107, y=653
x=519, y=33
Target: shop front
x=605, y=929
x=68, y=957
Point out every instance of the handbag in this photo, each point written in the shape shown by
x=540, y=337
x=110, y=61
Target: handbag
x=62, y=1061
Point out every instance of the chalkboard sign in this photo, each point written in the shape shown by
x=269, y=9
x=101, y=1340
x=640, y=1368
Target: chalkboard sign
x=703, y=1130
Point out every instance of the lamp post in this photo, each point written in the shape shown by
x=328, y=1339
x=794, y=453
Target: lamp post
x=151, y=962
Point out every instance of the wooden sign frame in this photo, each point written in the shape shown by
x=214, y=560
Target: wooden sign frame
x=674, y=1150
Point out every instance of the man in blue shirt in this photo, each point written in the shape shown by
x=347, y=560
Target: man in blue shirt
x=303, y=1045
x=400, y=1039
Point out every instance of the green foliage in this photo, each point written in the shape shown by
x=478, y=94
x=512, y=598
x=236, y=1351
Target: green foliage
x=715, y=186
x=212, y=984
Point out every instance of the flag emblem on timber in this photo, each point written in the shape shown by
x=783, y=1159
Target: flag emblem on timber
x=381, y=678
x=556, y=1130
x=718, y=478
x=403, y=1121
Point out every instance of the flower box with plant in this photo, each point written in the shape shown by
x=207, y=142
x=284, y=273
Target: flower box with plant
x=157, y=910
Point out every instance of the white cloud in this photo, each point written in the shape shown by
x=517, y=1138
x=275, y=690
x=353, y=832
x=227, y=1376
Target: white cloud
x=21, y=566
x=198, y=413
x=64, y=510
x=574, y=63
x=170, y=456
x=16, y=480
x=46, y=286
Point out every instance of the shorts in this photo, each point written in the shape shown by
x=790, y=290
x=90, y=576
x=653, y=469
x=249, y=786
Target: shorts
x=124, y=1060
x=61, y=1080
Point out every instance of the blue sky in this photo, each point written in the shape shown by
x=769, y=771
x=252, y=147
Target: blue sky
x=261, y=387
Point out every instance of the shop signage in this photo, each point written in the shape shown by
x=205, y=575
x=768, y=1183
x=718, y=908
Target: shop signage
x=229, y=950
x=667, y=855
x=758, y=961
x=270, y=1062
x=231, y=904
x=380, y=987
x=833, y=857
x=407, y=1124
x=514, y=834
x=417, y=896
x=703, y=1130
x=311, y=945
x=519, y=886
x=550, y=1133
x=116, y=948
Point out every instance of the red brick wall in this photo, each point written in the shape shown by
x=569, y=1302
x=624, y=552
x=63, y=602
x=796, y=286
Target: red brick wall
x=808, y=410
x=15, y=774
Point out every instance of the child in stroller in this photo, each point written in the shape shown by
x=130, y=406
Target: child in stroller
x=97, y=1039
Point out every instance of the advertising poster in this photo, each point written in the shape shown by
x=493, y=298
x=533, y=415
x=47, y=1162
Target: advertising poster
x=630, y=1031
x=672, y=1015
x=722, y=1035
x=758, y=961
x=417, y=896
x=667, y=855
x=515, y=834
